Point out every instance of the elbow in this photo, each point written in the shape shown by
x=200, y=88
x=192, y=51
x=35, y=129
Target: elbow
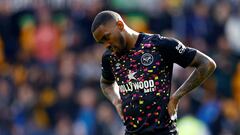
x=211, y=65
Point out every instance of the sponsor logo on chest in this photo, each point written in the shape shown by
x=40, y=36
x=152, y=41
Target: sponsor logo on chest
x=146, y=85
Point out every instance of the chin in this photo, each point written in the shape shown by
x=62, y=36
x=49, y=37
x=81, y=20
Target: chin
x=120, y=53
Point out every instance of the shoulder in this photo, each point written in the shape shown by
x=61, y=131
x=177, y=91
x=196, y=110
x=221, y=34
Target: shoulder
x=165, y=40
x=160, y=41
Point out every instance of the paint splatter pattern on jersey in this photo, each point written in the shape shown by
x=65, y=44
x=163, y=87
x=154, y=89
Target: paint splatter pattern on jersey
x=144, y=78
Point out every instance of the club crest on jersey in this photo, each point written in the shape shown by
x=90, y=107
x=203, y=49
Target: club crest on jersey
x=147, y=59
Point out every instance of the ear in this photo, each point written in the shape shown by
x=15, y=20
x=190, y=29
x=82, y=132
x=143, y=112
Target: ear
x=120, y=25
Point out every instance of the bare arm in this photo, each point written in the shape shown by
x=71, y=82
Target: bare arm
x=204, y=67
x=108, y=90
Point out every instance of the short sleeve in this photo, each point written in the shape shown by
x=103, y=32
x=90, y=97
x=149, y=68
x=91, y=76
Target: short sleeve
x=177, y=52
x=106, y=67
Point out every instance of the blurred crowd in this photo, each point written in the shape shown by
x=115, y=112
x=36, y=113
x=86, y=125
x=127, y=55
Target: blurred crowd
x=50, y=65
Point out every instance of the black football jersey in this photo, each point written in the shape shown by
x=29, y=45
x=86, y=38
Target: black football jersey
x=143, y=75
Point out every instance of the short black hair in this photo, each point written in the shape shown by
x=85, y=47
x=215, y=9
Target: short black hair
x=102, y=18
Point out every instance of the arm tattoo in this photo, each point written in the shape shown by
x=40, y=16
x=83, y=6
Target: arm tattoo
x=204, y=68
x=108, y=90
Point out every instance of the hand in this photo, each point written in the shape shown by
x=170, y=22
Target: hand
x=118, y=105
x=172, y=107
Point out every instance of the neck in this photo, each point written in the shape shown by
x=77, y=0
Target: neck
x=131, y=37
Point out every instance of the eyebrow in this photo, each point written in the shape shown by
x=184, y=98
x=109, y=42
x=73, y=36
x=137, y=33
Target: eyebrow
x=103, y=38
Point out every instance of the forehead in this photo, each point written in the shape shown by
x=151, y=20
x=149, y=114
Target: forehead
x=101, y=30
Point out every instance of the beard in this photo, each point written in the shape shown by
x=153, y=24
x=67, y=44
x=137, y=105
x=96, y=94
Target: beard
x=122, y=43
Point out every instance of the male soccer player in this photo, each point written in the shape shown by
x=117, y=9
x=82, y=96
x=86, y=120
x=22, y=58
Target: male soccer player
x=141, y=64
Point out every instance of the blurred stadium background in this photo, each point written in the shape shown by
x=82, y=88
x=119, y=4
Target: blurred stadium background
x=50, y=65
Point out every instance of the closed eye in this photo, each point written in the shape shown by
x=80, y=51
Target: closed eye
x=105, y=38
